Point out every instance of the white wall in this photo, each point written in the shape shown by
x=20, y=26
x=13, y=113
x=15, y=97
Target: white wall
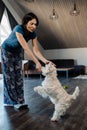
x=79, y=54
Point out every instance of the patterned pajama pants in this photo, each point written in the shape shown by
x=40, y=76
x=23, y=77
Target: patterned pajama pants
x=12, y=77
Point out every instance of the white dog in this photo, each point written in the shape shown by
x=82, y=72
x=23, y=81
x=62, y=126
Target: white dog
x=52, y=88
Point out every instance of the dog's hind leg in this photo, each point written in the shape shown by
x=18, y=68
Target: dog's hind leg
x=40, y=90
x=56, y=115
x=59, y=111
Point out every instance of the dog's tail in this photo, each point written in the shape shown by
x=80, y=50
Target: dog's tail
x=76, y=93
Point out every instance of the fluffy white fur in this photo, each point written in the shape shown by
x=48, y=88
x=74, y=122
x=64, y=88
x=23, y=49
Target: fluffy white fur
x=52, y=88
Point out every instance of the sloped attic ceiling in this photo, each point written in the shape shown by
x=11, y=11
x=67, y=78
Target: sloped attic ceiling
x=65, y=32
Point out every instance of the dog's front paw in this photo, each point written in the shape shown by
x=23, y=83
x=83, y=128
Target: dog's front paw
x=35, y=89
x=54, y=119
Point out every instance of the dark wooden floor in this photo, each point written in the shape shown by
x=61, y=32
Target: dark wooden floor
x=40, y=110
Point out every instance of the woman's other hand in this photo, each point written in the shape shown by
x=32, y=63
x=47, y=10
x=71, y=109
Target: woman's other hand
x=38, y=66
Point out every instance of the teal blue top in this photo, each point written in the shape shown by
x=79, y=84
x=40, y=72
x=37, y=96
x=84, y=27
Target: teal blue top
x=11, y=44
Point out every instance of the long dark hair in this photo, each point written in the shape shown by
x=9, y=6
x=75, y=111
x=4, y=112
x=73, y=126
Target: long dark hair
x=29, y=17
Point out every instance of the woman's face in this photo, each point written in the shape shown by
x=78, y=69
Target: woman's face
x=31, y=25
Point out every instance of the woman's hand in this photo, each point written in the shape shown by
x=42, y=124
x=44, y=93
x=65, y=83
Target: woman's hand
x=38, y=66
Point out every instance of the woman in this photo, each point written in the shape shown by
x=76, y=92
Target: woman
x=12, y=59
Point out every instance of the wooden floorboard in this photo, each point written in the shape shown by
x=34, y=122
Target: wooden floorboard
x=37, y=117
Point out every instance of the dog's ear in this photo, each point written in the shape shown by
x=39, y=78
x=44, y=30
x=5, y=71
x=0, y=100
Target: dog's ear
x=52, y=64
